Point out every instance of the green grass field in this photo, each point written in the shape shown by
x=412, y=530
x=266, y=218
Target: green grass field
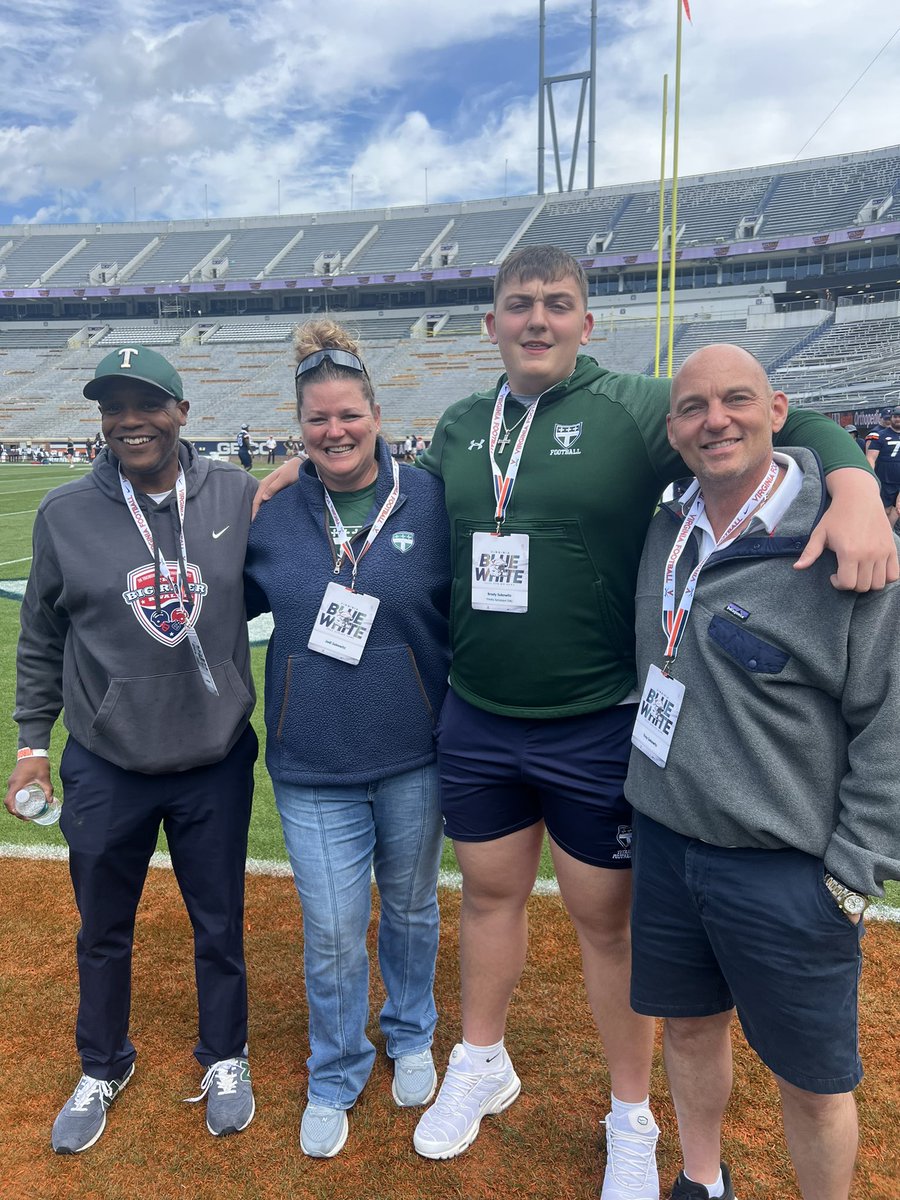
x=21, y=490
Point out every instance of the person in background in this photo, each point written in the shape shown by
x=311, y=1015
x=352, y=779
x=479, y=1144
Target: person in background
x=355, y=676
x=245, y=448
x=70, y=452
x=755, y=854
x=854, y=433
x=883, y=453
x=271, y=446
x=133, y=624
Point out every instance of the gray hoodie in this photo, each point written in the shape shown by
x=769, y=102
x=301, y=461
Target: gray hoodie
x=788, y=729
x=102, y=639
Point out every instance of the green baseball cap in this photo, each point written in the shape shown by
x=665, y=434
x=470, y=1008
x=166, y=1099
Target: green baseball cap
x=138, y=364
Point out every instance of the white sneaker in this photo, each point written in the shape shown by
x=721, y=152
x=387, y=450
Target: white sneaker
x=631, y=1158
x=451, y=1124
x=415, y=1079
x=323, y=1131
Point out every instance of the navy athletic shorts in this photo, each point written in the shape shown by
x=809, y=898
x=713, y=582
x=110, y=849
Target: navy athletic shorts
x=501, y=774
x=713, y=928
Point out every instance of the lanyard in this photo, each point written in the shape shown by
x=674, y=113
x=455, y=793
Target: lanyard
x=343, y=538
x=674, y=622
x=179, y=586
x=504, y=484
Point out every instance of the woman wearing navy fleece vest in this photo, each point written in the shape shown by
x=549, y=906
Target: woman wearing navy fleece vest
x=353, y=563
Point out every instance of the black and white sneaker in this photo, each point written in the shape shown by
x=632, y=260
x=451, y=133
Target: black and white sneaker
x=686, y=1189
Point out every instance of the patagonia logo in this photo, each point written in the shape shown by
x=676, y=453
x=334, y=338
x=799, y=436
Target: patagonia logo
x=737, y=611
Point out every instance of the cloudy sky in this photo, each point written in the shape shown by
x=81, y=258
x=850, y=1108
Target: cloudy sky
x=179, y=108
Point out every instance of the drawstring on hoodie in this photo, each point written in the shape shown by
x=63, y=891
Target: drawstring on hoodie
x=180, y=588
x=186, y=598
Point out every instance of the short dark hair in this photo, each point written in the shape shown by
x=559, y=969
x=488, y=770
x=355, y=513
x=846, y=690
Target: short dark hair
x=546, y=263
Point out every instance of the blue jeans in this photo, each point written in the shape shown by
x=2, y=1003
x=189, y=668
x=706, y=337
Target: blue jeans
x=334, y=838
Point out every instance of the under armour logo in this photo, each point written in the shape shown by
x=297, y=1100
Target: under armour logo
x=125, y=354
x=473, y=445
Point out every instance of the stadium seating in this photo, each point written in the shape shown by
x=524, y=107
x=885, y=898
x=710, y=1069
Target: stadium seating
x=238, y=367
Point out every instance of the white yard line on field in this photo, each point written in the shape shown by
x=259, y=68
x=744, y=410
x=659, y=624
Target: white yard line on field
x=275, y=868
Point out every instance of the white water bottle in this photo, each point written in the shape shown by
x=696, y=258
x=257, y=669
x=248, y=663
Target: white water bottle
x=32, y=804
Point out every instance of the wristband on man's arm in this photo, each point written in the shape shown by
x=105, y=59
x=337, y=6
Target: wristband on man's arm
x=27, y=752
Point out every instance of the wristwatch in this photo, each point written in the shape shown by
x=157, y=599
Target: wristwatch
x=854, y=904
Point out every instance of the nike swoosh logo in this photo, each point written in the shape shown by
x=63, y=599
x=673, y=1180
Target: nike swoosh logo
x=493, y=1056
x=221, y=531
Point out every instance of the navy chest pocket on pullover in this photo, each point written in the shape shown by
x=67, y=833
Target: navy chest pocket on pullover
x=745, y=648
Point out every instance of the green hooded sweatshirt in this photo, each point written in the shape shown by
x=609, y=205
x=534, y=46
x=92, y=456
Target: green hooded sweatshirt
x=594, y=466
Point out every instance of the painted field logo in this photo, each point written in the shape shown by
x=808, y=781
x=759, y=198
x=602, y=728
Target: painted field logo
x=170, y=624
x=403, y=541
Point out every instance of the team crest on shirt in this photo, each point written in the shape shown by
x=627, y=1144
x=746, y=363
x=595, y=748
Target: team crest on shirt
x=567, y=436
x=170, y=624
x=623, y=837
x=403, y=540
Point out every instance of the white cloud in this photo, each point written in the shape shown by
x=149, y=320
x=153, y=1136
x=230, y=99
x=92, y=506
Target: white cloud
x=168, y=99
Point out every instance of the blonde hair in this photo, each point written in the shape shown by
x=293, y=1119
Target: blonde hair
x=325, y=334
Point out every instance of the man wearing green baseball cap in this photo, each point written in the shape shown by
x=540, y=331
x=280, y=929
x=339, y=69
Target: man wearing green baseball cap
x=133, y=623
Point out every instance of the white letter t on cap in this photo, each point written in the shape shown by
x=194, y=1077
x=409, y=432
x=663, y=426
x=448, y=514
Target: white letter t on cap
x=126, y=353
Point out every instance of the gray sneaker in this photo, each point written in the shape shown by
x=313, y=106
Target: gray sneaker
x=415, y=1079
x=82, y=1118
x=323, y=1131
x=229, y=1096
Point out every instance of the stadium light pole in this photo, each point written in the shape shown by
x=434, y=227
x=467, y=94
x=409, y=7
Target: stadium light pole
x=588, y=90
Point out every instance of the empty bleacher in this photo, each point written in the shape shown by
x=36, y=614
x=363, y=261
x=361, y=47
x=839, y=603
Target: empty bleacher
x=855, y=358
x=143, y=334
x=823, y=198
x=572, y=223
x=333, y=237
x=399, y=243
x=105, y=248
x=767, y=345
x=177, y=255
x=482, y=235
x=31, y=256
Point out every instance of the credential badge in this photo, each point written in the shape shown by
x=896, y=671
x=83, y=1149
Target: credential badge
x=403, y=540
x=567, y=435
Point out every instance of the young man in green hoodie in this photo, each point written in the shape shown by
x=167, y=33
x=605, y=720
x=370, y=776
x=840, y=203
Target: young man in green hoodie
x=536, y=729
x=551, y=481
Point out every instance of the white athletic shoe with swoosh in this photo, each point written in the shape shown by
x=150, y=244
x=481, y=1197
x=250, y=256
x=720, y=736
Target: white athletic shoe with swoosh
x=451, y=1125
